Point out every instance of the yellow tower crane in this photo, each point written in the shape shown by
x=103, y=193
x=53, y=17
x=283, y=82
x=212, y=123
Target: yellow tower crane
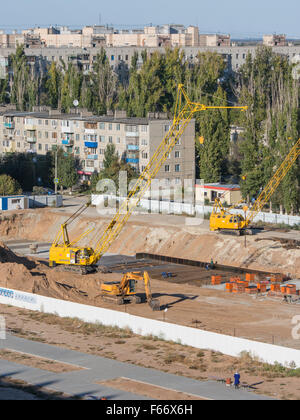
x=224, y=221
x=75, y=258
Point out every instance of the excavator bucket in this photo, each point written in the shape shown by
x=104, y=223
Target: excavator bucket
x=154, y=304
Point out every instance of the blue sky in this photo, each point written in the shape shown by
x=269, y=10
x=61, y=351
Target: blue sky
x=240, y=18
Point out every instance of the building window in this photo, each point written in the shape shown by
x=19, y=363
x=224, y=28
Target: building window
x=144, y=128
x=102, y=126
x=46, y=147
x=118, y=140
x=145, y=155
x=40, y=147
x=77, y=137
x=167, y=168
x=54, y=135
x=102, y=139
x=167, y=128
x=46, y=134
x=110, y=139
x=46, y=122
x=118, y=127
x=177, y=154
x=110, y=127
x=144, y=142
x=177, y=168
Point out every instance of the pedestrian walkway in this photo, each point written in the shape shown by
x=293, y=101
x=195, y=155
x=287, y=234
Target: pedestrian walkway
x=95, y=369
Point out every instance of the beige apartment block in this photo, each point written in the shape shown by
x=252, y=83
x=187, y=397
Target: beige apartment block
x=274, y=40
x=92, y=36
x=87, y=136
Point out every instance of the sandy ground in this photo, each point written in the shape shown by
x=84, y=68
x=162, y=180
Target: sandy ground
x=259, y=318
x=150, y=352
x=150, y=391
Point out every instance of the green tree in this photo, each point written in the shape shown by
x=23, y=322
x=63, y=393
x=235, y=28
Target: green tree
x=53, y=85
x=67, y=168
x=9, y=186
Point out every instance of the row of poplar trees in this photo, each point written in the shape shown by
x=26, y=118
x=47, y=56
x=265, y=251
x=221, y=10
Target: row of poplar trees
x=265, y=83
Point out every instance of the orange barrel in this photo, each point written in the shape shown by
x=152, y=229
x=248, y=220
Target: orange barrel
x=262, y=287
x=216, y=279
x=275, y=287
x=250, y=277
x=243, y=283
x=291, y=290
x=229, y=287
x=283, y=289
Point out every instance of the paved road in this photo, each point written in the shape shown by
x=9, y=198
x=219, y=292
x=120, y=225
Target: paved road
x=95, y=369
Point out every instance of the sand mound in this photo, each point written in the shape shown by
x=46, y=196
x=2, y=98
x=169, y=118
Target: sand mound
x=8, y=256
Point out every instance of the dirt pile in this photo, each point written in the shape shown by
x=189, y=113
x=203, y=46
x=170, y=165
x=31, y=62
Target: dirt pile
x=32, y=276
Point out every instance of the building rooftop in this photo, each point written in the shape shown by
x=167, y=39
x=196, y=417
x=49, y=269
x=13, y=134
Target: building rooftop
x=79, y=117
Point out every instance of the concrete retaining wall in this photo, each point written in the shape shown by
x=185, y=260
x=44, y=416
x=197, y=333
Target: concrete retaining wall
x=200, y=339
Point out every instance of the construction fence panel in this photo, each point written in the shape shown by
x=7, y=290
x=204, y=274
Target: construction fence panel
x=170, y=207
x=232, y=346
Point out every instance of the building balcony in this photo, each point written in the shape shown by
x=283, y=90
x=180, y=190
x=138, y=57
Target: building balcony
x=9, y=125
x=90, y=131
x=132, y=147
x=30, y=127
x=91, y=144
x=131, y=134
x=68, y=142
x=31, y=139
x=66, y=129
x=132, y=161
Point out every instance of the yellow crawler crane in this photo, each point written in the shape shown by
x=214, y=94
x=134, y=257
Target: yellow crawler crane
x=84, y=260
x=224, y=221
x=125, y=290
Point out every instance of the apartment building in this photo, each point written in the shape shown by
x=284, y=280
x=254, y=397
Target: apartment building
x=274, y=40
x=87, y=136
x=92, y=36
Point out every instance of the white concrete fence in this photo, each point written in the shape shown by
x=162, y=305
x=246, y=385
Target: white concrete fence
x=232, y=346
x=170, y=207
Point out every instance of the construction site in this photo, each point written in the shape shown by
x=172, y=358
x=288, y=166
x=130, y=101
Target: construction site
x=244, y=284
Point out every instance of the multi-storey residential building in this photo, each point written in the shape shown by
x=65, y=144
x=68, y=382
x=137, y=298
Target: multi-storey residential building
x=86, y=136
x=89, y=36
x=274, y=40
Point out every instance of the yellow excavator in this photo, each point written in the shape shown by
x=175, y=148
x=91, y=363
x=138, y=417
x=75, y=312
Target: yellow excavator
x=224, y=221
x=125, y=290
x=72, y=257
